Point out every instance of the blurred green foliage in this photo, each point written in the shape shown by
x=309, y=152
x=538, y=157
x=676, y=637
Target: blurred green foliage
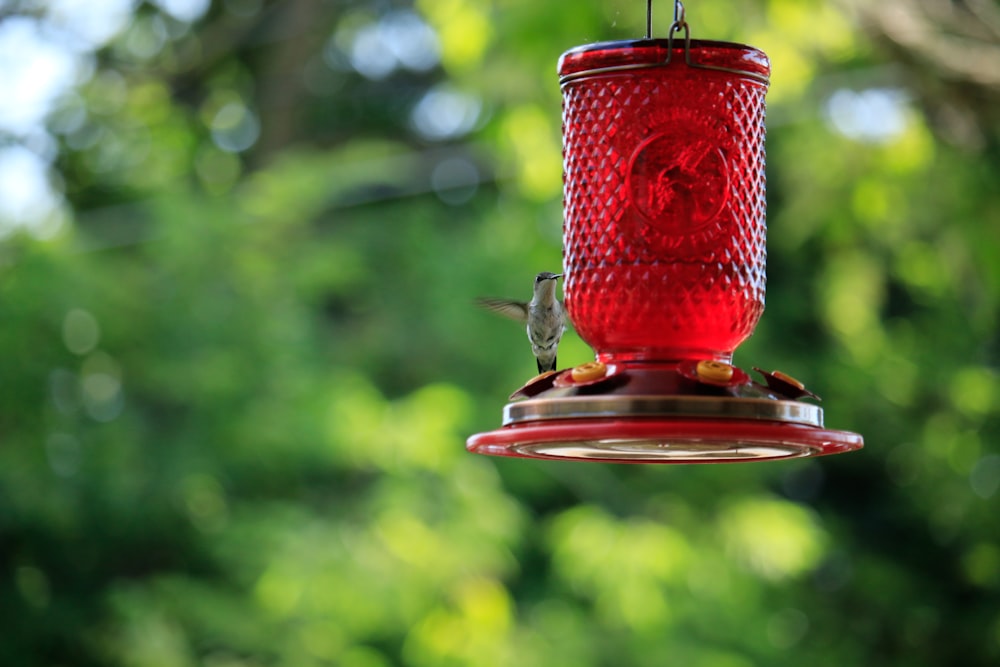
x=236, y=381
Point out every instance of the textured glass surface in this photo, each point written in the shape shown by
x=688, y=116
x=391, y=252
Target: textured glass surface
x=664, y=233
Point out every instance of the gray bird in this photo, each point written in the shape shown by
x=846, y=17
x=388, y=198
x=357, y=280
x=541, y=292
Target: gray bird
x=544, y=316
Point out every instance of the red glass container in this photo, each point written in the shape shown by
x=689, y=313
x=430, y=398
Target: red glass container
x=664, y=212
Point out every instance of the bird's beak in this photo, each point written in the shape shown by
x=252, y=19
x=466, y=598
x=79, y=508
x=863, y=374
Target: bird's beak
x=557, y=276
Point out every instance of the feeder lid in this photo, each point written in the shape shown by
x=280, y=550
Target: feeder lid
x=601, y=57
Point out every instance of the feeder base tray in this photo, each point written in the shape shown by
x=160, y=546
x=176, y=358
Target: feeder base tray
x=662, y=413
x=644, y=440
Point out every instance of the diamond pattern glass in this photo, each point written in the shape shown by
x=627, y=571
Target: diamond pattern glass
x=664, y=209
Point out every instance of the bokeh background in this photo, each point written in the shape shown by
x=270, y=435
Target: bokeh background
x=239, y=246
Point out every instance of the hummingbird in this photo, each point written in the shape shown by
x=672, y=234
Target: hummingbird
x=544, y=317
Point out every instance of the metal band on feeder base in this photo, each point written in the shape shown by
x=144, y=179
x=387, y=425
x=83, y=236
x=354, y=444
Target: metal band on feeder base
x=664, y=407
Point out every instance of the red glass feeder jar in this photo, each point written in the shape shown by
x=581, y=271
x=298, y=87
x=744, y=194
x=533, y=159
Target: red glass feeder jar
x=664, y=210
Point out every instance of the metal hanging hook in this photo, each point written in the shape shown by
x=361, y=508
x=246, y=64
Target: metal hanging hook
x=680, y=22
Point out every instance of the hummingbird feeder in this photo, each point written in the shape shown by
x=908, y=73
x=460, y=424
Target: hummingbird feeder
x=664, y=254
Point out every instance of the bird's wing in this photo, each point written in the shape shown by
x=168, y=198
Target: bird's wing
x=515, y=310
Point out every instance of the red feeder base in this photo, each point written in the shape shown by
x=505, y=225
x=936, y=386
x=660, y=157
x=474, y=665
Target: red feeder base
x=645, y=440
x=662, y=413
